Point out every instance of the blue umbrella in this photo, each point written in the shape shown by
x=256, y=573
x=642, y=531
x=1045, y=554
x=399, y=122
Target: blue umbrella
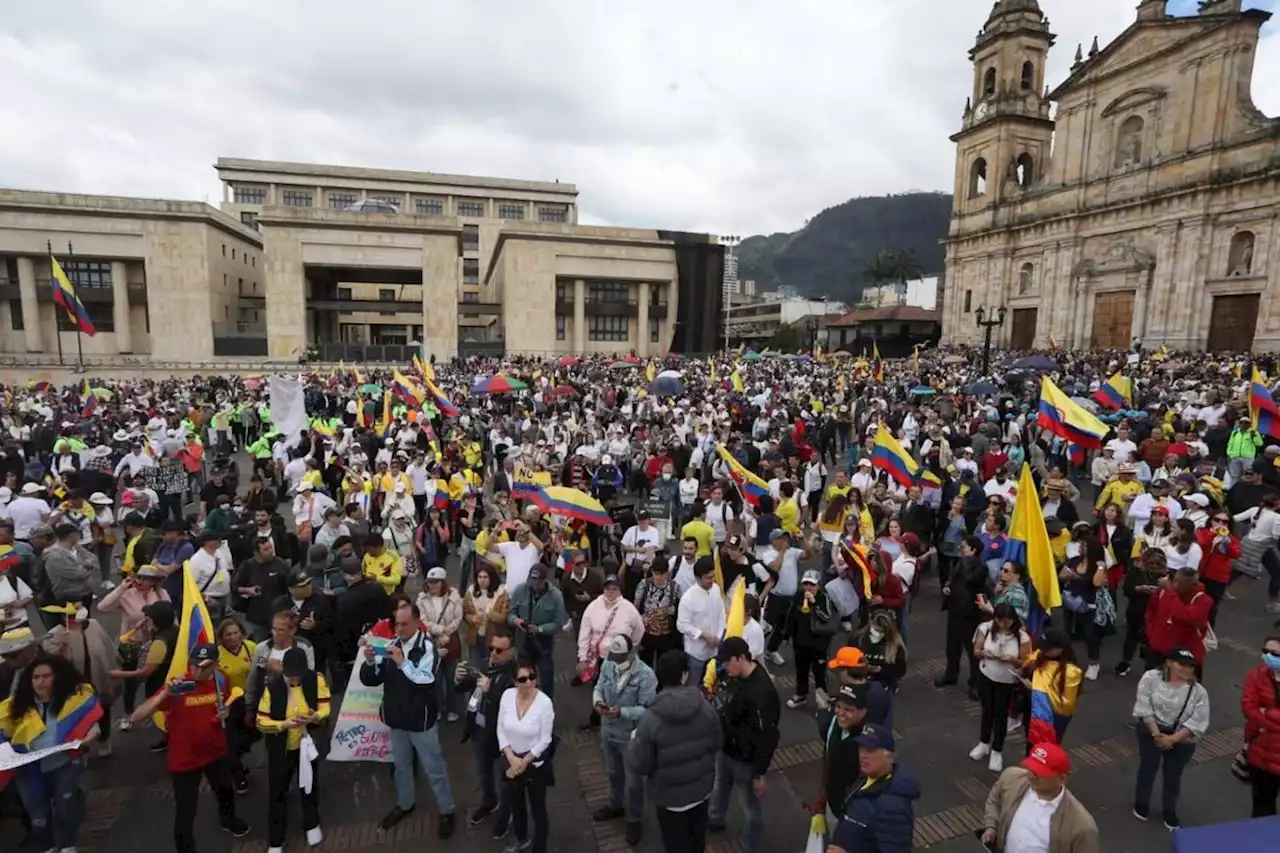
x=666, y=386
x=982, y=387
x=1041, y=363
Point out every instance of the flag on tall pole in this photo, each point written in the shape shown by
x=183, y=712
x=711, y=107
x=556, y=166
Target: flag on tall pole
x=64, y=294
x=877, y=363
x=1028, y=545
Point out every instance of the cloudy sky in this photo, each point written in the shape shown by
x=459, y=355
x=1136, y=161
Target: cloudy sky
x=730, y=116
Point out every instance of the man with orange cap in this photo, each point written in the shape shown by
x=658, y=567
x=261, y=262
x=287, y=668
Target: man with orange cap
x=851, y=667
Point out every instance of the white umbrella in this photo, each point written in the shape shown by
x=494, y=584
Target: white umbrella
x=670, y=374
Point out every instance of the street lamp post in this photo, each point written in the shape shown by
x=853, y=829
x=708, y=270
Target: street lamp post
x=987, y=325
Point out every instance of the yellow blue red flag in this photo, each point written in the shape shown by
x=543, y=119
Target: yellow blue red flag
x=1029, y=546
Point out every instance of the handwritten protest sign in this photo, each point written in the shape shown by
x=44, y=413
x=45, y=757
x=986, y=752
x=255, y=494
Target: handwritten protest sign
x=528, y=475
x=11, y=760
x=359, y=734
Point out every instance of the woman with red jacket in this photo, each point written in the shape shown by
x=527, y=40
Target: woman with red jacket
x=1220, y=548
x=1177, y=617
x=1260, y=702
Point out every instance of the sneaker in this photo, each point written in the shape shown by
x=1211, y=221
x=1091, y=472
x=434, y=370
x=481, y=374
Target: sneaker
x=1122, y=668
x=635, y=831
x=314, y=836
x=393, y=817
x=515, y=845
x=445, y=829
x=500, y=828
x=451, y=717
x=241, y=783
x=1141, y=811
x=995, y=763
x=776, y=659
x=160, y=745
x=567, y=628
x=980, y=752
x=821, y=697
x=606, y=813
x=1092, y=672
x=1171, y=821
x=107, y=586
x=480, y=814
x=1013, y=726
x=125, y=724
x=797, y=701
x=238, y=828
x=1273, y=607
x=943, y=681
x=275, y=850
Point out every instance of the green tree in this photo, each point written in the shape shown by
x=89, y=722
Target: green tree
x=905, y=267
x=789, y=338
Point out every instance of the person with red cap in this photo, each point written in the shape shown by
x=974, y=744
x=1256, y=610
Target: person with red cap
x=1030, y=809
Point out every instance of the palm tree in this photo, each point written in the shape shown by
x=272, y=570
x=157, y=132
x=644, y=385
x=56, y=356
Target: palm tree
x=905, y=267
x=878, y=270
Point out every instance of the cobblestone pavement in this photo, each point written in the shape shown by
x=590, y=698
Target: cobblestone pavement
x=130, y=801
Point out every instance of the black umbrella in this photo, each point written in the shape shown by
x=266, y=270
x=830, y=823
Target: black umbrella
x=1040, y=363
x=982, y=388
x=666, y=386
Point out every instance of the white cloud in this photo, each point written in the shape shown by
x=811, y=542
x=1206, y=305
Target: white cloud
x=724, y=115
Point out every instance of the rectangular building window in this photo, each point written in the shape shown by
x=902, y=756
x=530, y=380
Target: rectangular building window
x=560, y=324
x=470, y=238
x=15, y=315
x=341, y=201
x=429, y=206
x=248, y=217
x=249, y=195
x=233, y=253
x=473, y=208
x=563, y=292
x=510, y=210
x=396, y=201
x=224, y=250
x=608, y=291
x=386, y=294
x=470, y=271
x=297, y=198
x=470, y=297
x=344, y=293
x=653, y=330
x=253, y=261
x=968, y=300
x=553, y=213
x=101, y=313
x=240, y=286
x=609, y=328
x=88, y=273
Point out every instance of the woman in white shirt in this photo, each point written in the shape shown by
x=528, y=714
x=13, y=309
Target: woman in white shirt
x=526, y=718
x=1182, y=551
x=1000, y=646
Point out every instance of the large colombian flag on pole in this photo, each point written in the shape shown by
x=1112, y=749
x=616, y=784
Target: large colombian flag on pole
x=1116, y=393
x=1029, y=545
x=195, y=628
x=64, y=293
x=1066, y=419
x=889, y=456
x=1262, y=406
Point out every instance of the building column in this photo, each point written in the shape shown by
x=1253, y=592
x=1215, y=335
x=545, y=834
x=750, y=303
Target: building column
x=642, y=339
x=120, y=307
x=30, y=306
x=579, y=316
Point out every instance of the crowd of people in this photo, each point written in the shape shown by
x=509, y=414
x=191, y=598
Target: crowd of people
x=437, y=541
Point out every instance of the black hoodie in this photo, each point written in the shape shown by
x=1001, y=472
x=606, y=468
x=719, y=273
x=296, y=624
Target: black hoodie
x=675, y=747
x=749, y=713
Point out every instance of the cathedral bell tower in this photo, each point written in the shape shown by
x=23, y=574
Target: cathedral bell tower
x=1003, y=145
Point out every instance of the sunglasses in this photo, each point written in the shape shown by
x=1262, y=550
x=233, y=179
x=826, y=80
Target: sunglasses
x=498, y=648
x=524, y=679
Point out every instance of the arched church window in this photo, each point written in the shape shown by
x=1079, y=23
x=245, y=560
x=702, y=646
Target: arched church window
x=1129, y=142
x=1240, y=258
x=1028, y=76
x=1026, y=279
x=989, y=83
x=1024, y=170
x=978, y=178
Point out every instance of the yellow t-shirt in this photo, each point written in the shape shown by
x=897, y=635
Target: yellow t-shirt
x=788, y=513
x=835, y=490
x=296, y=707
x=236, y=666
x=703, y=532
x=387, y=569
x=156, y=653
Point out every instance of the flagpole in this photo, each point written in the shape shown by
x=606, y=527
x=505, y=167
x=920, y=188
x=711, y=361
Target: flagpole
x=57, y=326
x=71, y=261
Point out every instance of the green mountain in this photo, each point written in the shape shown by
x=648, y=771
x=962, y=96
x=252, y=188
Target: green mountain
x=831, y=255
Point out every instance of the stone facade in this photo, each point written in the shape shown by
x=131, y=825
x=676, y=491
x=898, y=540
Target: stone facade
x=1147, y=207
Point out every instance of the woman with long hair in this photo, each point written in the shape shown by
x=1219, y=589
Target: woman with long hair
x=1113, y=531
x=1258, y=547
x=1053, y=678
x=1001, y=645
x=1172, y=711
x=1139, y=583
x=51, y=706
x=469, y=525
x=1158, y=532
x=1220, y=547
x=1011, y=589
x=831, y=524
x=485, y=604
x=441, y=609
x=884, y=649
x=1084, y=581
x=526, y=719
x=1184, y=551
x=235, y=661
x=890, y=541
x=431, y=541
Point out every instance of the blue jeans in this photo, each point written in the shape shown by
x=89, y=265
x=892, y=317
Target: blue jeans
x=55, y=804
x=732, y=773
x=492, y=770
x=1171, y=763
x=427, y=745
x=622, y=782
x=697, y=670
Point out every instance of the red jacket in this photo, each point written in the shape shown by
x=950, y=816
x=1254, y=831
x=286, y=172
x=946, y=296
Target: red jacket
x=1177, y=623
x=1260, y=702
x=1215, y=564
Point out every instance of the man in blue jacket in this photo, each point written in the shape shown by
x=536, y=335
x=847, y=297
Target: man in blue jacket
x=878, y=815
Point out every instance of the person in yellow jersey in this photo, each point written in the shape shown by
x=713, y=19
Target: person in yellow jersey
x=235, y=660
x=840, y=487
x=1122, y=490
x=382, y=564
x=696, y=528
x=294, y=704
x=788, y=509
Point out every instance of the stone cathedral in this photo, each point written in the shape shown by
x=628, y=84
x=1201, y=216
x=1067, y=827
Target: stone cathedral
x=1140, y=199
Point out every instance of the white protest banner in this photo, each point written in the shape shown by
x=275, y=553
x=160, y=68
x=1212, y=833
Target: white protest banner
x=288, y=407
x=11, y=760
x=359, y=734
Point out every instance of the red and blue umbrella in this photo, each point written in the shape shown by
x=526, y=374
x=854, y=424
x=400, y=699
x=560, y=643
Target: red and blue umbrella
x=498, y=385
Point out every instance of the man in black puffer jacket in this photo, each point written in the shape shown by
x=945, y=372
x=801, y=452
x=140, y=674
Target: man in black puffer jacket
x=674, y=749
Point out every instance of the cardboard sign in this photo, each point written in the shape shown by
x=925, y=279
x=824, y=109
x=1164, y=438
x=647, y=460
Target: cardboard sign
x=524, y=474
x=359, y=733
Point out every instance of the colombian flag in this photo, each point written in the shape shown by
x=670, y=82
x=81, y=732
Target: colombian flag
x=735, y=379
x=1066, y=419
x=733, y=626
x=442, y=402
x=856, y=556
x=1116, y=393
x=889, y=456
x=90, y=402
x=752, y=487
x=195, y=628
x=1262, y=406
x=1029, y=545
x=407, y=389
x=78, y=715
x=877, y=363
x=64, y=293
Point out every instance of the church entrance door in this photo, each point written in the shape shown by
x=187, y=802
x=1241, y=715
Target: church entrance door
x=1023, y=333
x=1233, y=323
x=1112, y=320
